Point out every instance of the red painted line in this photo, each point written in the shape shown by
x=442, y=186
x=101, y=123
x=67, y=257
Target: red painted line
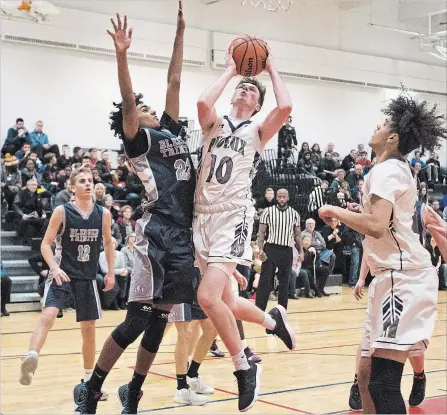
x=235, y=394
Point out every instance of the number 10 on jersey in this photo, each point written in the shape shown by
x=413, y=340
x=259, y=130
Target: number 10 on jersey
x=225, y=164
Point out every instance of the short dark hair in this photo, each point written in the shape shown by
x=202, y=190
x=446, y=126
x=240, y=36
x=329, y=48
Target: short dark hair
x=86, y=158
x=261, y=88
x=76, y=149
x=116, y=117
x=417, y=125
x=19, y=120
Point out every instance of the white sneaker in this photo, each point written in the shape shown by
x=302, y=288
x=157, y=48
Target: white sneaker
x=199, y=387
x=27, y=369
x=189, y=397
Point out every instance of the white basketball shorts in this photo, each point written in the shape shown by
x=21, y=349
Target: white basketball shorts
x=223, y=236
x=402, y=310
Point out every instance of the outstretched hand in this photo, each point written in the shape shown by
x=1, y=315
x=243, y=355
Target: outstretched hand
x=229, y=60
x=180, y=19
x=270, y=62
x=122, y=37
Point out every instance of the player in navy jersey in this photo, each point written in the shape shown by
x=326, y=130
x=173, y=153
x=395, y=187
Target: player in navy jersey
x=163, y=273
x=77, y=228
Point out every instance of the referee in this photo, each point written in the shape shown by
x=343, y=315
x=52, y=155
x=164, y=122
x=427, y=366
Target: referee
x=282, y=224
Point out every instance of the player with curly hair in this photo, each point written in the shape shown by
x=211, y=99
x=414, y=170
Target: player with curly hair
x=402, y=302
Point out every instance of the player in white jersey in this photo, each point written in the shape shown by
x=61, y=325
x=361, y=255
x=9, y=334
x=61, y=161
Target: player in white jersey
x=402, y=303
x=224, y=213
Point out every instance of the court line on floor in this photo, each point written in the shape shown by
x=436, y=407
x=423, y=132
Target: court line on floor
x=290, y=313
x=275, y=392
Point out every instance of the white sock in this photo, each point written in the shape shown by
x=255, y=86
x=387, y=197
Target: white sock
x=269, y=322
x=240, y=361
x=33, y=353
x=87, y=374
x=244, y=344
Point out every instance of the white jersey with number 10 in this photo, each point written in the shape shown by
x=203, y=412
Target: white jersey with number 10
x=228, y=159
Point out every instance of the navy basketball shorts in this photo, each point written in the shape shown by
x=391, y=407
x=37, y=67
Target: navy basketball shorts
x=163, y=271
x=85, y=295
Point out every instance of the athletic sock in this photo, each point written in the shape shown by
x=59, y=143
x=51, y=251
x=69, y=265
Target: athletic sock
x=181, y=382
x=87, y=374
x=193, y=371
x=33, y=353
x=419, y=375
x=137, y=381
x=269, y=322
x=97, y=379
x=240, y=361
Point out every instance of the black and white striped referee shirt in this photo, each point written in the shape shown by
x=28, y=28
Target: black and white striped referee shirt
x=281, y=225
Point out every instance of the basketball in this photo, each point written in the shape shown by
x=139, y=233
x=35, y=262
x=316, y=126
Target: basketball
x=249, y=54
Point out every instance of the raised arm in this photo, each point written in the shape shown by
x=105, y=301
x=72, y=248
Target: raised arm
x=122, y=39
x=279, y=115
x=205, y=105
x=172, y=106
x=56, y=222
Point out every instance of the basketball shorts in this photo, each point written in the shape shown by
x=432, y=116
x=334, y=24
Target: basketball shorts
x=186, y=312
x=163, y=271
x=85, y=295
x=401, y=313
x=223, y=236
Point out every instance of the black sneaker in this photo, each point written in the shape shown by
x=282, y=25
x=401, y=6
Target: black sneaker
x=417, y=394
x=129, y=399
x=85, y=399
x=282, y=329
x=248, y=383
x=355, y=400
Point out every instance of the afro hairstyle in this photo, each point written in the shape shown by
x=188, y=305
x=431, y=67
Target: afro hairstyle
x=116, y=116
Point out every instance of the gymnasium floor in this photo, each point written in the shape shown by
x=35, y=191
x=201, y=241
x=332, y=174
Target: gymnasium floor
x=315, y=378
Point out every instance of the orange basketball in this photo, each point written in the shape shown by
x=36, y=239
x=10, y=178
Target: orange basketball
x=249, y=54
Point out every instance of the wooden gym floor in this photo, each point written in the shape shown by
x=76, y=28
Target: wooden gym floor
x=315, y=378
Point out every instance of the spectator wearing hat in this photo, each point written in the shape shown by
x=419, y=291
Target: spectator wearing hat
x=11, y=179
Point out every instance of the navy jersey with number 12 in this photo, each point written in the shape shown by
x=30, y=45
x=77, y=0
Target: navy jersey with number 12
x=77, y=246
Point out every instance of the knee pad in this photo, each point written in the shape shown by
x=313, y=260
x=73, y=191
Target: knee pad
x=154, y=333
x=137, y=320
x=384, y=386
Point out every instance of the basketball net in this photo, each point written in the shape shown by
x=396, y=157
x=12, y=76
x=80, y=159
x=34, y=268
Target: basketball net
x=270, y=5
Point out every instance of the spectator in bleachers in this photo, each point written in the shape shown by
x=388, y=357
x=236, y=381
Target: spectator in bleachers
x=304, y=148
x=349, y=161
x=354, y=176
x=334, y=244
x=435, y=206
x=64, y=196
x=40, y=143
x=99, y=194
x=32, y=155
x=129, y=251
x=316, y=154
x=267, y=201
x=339, y=179
x=126, y=225
x=30, y=215
x=336, y=156
x=78, y=152
x=103, y=167
x=11, y=179
x=420, y=174
x=433, y=168
x=437, y=261
x=5, y=290
x=286, y=141
x=328, y=167
x=86, y=162
x=108, y=204
x=306, y=166
x=93, y=154
x=114, y=299
x=417, y=159
x=317, y=240
x=360, y=148
x=364, y=161
x=96, y=177
x=353, y=240
x=311, y=265
x=345, y=189
x=64, y=160
x=443, y=202
x=134, y=188
x=341, y=199
x=357, y=193
x=30, y=172
x=24, y=151
x=15, y=138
